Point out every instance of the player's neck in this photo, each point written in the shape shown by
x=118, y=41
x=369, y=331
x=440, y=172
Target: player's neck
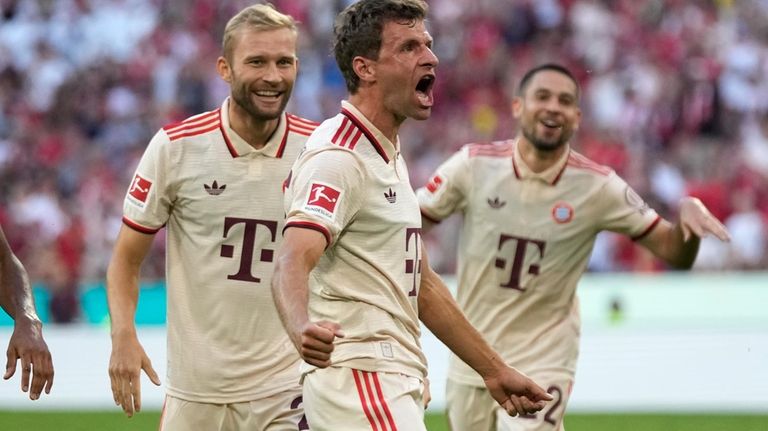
x=373, y=110
x=255, y=132
x=539, y=160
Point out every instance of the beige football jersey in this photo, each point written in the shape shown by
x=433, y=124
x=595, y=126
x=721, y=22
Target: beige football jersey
x=525, y=242
x=352, y=185
x=222, y=202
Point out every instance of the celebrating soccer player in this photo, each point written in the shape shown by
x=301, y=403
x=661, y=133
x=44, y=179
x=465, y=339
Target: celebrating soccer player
x=532, y=208
x=215, y=180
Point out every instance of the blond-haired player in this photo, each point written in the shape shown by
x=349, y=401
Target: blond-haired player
x=352, y=281
x=215, y=181
x=532, y=208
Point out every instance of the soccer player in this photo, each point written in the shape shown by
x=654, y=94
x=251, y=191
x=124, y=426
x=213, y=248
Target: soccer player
x=27, y=343
x=215, y=180
x=532, y=208
x=351, y=280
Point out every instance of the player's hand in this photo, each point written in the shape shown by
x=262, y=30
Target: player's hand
x=27, y=345
x=317, y=342
x=427, y=395
x=695, y=219
x=125, y=365
x=517, y=393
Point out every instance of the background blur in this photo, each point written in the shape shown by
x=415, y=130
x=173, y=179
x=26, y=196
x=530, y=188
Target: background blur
x=674, y=98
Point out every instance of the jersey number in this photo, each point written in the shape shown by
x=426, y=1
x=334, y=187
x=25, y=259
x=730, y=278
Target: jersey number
x=303, y=425
x=549, y=412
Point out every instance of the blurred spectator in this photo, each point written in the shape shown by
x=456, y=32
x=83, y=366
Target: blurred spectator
x=675, y=99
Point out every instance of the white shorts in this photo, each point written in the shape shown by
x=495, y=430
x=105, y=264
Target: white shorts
x=280, y=412
x=345, y=399
x=472, y=407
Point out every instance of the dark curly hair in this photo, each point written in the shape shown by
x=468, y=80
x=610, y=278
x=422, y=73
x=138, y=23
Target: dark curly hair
x=357, y=31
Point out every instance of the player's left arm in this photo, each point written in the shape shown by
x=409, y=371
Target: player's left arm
x=26, y=344
x=512, y=389
x=678, y=244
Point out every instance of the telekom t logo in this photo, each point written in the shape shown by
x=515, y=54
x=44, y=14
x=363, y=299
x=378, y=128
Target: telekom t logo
x=518, y=261
x=413, y=266
x=249, y=243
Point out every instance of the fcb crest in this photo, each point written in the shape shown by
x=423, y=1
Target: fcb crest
x=562, y=212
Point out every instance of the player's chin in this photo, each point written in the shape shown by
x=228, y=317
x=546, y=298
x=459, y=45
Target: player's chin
x=422, y=113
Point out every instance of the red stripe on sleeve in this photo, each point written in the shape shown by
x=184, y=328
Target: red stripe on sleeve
x=139, y=228
x=309, y=225
x=647, y=230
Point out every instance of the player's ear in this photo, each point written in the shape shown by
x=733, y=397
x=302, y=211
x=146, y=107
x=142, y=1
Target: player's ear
x=578, y=120
x=224, y=70
x=364, y=69
x=517, y=106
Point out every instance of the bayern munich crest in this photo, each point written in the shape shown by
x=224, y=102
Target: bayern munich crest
x=562, y=212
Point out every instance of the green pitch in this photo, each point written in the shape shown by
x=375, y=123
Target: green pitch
x=114, y=421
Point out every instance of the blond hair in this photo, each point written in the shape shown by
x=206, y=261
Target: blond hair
x=259, y=17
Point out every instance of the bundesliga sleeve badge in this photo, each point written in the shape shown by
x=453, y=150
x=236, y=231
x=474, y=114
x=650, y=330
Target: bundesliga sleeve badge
x=323, y=199
x=139, y=191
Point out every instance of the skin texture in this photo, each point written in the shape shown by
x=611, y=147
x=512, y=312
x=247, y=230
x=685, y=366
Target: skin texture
x=261, y=73
x=26, y=346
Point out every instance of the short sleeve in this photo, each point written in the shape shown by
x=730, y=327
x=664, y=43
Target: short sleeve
x=326, y=191
x=625, y=211
x=147, y=203
x=447, y=189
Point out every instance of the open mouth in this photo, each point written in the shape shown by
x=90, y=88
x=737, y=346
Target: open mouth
x=424, y=89
x=551, y=124
x=268, y=93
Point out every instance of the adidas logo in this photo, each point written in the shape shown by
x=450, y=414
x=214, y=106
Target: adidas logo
x=214, y=189
x=496, y=203
x=391, y=196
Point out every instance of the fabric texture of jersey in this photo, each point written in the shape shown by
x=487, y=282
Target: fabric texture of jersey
x=352, y=185
x=525, y=242
x=222, y=204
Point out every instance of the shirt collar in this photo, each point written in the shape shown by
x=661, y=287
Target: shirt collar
x=381, y=143
x=550, y=176
x=238, y=147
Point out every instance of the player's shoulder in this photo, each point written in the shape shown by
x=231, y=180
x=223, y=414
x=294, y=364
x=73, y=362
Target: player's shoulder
x=582, y=165
x=300, y=125
x=493, y=149
x=193, y=127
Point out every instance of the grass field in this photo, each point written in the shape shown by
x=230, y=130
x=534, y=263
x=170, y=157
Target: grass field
x=107, y=421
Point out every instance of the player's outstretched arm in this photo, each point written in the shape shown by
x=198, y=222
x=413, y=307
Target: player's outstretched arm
x=678, y=244
x=26, y=344
x=128, y=356
x=297, y=256
x=512, y=389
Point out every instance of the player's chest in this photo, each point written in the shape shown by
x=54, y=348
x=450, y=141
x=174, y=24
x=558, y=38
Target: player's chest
x=231, y=187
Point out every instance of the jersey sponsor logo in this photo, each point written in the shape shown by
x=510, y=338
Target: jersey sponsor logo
x=139, y=190
x=322, y=199
x=434, y=183
x=496, y=203
x=562, y=212
x=215, y=189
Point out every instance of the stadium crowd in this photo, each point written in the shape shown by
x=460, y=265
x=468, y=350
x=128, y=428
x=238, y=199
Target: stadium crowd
x=674, y=98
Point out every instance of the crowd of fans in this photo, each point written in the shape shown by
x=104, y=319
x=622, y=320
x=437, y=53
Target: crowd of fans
x=674, y=98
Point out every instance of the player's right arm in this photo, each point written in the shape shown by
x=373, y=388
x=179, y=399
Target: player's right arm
x=298, y=255
x=446, y=190
x=128, y=356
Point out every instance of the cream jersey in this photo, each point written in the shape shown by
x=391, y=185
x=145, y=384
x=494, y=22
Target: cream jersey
x=352, y=185
x=525, y=242
x=222, y=203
